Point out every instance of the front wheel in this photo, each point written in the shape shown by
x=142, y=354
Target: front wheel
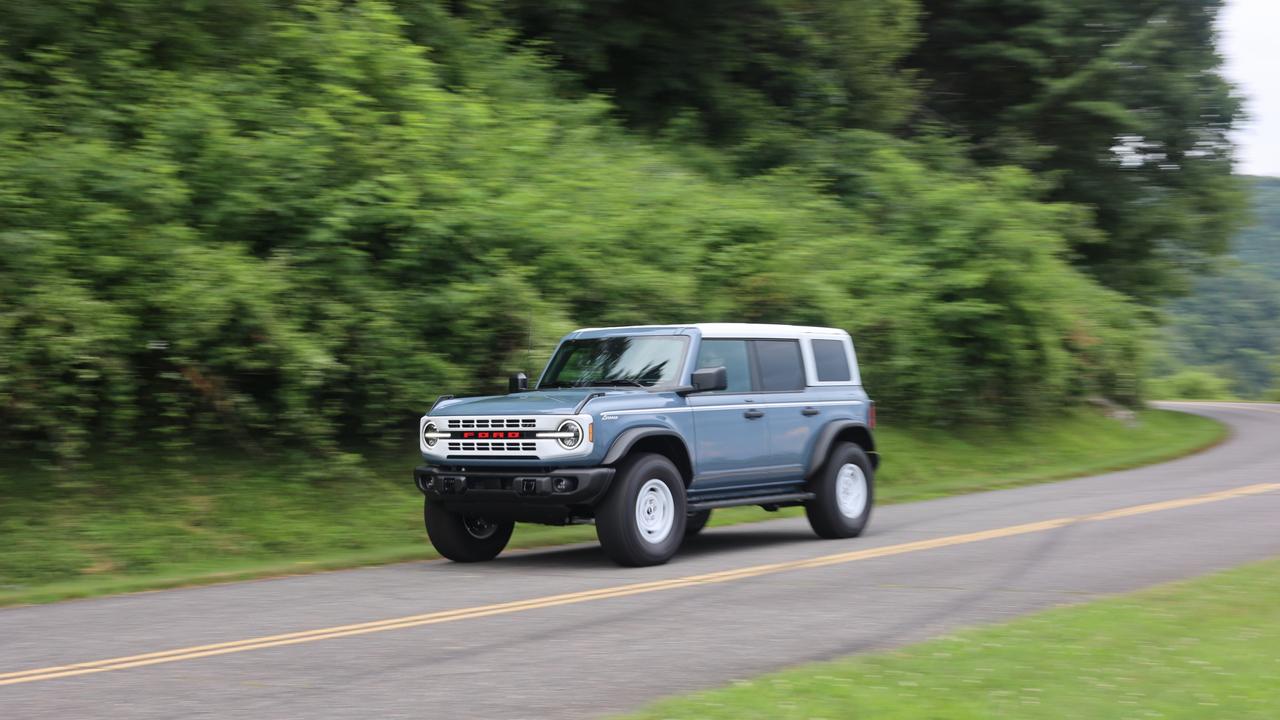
x=844, y=490
x=642, y=519
x=465, y=538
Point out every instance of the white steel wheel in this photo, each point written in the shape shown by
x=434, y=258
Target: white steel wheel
x=655, y=511
x=851, y=491
x=642, y=518
x=843, y=493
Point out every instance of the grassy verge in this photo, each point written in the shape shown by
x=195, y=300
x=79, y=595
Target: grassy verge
x=1199, y=649
x=133, y=523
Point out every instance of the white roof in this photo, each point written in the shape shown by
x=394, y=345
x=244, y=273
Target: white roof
x=740, y=330
x=763, y=330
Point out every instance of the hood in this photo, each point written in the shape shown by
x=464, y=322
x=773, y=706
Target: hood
x=533, y=402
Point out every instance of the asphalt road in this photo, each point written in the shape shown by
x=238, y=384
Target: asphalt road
x=563, y=633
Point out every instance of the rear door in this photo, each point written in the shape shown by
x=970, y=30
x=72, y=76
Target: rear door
x=780, y=376
x=731, y=434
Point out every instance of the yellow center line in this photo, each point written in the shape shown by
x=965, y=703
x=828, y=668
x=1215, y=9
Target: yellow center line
x=410, y=621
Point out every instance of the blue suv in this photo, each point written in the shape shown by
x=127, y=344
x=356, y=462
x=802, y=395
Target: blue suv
x=645, y=430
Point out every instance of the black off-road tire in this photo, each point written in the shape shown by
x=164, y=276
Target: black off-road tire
x=464, y=538
x=829, y=516
x=696, y=522
x=618, y=526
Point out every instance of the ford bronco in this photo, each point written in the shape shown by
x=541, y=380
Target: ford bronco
x=645, y=430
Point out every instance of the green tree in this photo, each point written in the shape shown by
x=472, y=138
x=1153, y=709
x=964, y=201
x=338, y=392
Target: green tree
x=746, y=74
x=300, y=222
x=1192, y=384
x=1122, y=105
x=1230, y=322
x=1258, y=244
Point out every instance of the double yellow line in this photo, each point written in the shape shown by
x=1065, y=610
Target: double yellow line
x=410, y=621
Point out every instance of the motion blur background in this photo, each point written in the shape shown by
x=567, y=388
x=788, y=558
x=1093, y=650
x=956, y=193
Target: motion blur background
x=277, y=230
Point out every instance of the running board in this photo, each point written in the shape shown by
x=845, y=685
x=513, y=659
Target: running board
x=782, y=499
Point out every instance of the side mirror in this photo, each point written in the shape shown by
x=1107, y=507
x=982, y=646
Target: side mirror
x=708, y=380
x=518, y=383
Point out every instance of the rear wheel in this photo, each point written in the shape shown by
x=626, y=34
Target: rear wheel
x=845, y=490
x=465, y=538
x=642, y=519
x=696, y=522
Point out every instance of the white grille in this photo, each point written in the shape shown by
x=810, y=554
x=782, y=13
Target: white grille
x=480, y=446
x=490, y=423
x=492, y=447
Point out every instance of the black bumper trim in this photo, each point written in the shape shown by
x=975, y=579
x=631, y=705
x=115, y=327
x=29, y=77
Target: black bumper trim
x=552, y=487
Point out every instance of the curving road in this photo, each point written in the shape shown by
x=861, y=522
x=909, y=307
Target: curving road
x=563, y=633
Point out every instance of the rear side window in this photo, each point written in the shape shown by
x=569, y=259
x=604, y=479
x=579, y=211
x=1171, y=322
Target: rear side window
x=831, y=361
x=732, y=356
x=779, y=365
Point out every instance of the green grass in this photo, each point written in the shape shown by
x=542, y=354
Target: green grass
x=132, y=523
x=1207, y=648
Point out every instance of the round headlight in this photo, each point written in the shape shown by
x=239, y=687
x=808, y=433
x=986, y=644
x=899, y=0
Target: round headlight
x=427, y=431
x=574, y=439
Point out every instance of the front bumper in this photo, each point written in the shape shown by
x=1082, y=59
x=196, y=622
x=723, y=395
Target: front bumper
x=514, y=487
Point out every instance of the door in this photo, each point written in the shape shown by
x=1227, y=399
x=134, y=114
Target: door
x=792, y=422
x=731, y=436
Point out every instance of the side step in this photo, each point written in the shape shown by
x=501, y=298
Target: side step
x=782, y=499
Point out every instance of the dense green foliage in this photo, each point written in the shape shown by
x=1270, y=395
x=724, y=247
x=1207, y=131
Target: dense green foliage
x=1192, y=384
x=298, y=222
x=1228, y=328
x=768, y=81
x=1225, y=334
x=1118, y=105
x=217, y=516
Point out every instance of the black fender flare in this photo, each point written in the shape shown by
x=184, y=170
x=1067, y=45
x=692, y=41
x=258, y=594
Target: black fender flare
x=827, y=436
x=629, y=437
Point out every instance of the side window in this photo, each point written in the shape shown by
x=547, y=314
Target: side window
x=732, y=355
x=780, y=366
x=830, y=360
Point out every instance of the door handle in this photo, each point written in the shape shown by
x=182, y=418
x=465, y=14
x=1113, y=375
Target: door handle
x=753, y=414
x=810, y=412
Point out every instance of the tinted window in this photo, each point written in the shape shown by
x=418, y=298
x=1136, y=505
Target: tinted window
x=780, y=365
x=830, y=361
x=730, y=354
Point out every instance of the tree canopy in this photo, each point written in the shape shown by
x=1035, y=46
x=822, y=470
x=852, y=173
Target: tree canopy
x=1121, y=105
x=1227, y=326
x=298, y=222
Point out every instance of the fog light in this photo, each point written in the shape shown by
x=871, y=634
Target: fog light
x=564, y=485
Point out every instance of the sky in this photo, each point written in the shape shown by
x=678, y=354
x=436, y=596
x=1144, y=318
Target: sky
x=1249, y=39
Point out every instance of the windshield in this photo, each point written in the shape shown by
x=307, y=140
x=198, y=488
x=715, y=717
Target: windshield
x=637, y=360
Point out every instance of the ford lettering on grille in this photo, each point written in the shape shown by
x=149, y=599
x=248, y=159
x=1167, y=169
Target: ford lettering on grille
x=493, y=435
